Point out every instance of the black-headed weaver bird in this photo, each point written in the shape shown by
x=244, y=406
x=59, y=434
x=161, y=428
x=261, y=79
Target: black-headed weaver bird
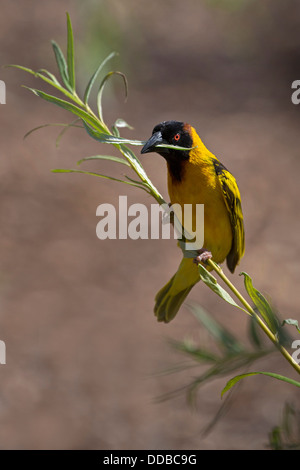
x=196, y=176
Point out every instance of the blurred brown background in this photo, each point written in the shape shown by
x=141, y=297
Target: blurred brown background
x=84, y=350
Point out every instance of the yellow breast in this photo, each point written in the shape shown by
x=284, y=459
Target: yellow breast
x=200, y=185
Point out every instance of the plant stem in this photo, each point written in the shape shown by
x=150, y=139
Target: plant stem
x=252, y=312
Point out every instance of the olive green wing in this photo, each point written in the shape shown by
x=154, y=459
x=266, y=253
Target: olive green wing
x=232, y=200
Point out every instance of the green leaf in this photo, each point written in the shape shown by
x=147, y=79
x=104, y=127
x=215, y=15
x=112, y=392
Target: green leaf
x=66, y=127
x=101, y=88
x=21, y=67
x=41, y=127
x=62, y=65
x=236, y=379
x=136, y=165
x=66, y=105
x=50, y=79
x=135, y=181
x=175, y=147
x=95, y=75
x=70, y=54
x=130, y=156
x=95, y=134
x=105, y=138
x=230, y=363
x=104, y=157
x=212, y=283
x=261, y=304
x=50, y=75
x=290, y=321
x=189, y=348
x=63, y=170
x=223, y=337
x=54, y=124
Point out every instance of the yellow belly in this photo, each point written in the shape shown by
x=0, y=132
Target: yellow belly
x=200, y=186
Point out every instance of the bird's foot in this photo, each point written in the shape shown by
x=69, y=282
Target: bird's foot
x=203, y=256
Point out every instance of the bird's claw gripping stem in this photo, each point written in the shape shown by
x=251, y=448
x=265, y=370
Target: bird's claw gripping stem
x=203, y=256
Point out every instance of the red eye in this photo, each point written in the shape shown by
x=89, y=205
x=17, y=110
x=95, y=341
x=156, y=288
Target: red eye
x=176, y=137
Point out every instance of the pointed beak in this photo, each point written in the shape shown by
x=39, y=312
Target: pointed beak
x=151, y=144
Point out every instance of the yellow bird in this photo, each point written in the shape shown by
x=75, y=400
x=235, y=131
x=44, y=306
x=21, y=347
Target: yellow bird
x=196, y=176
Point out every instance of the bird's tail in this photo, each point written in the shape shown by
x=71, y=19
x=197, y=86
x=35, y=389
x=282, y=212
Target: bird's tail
x=172, y=295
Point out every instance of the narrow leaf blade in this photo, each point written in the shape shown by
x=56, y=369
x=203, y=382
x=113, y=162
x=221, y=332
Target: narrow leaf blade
x=50, y=75
x=237, y=378
x=101, y=88
x=219, y=333
x=64, y=130
x=61, y=64
x=261, y=304
x=174, y=147
x=50, y=79
x=99, y=175
x=212, y=283
x=105, y=138
x=65, y=105
x=52, y=124
x=95, y=75
x=70, y=54
x=104, y=157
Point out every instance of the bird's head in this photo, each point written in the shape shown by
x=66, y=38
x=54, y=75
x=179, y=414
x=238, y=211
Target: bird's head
x=172, y=133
